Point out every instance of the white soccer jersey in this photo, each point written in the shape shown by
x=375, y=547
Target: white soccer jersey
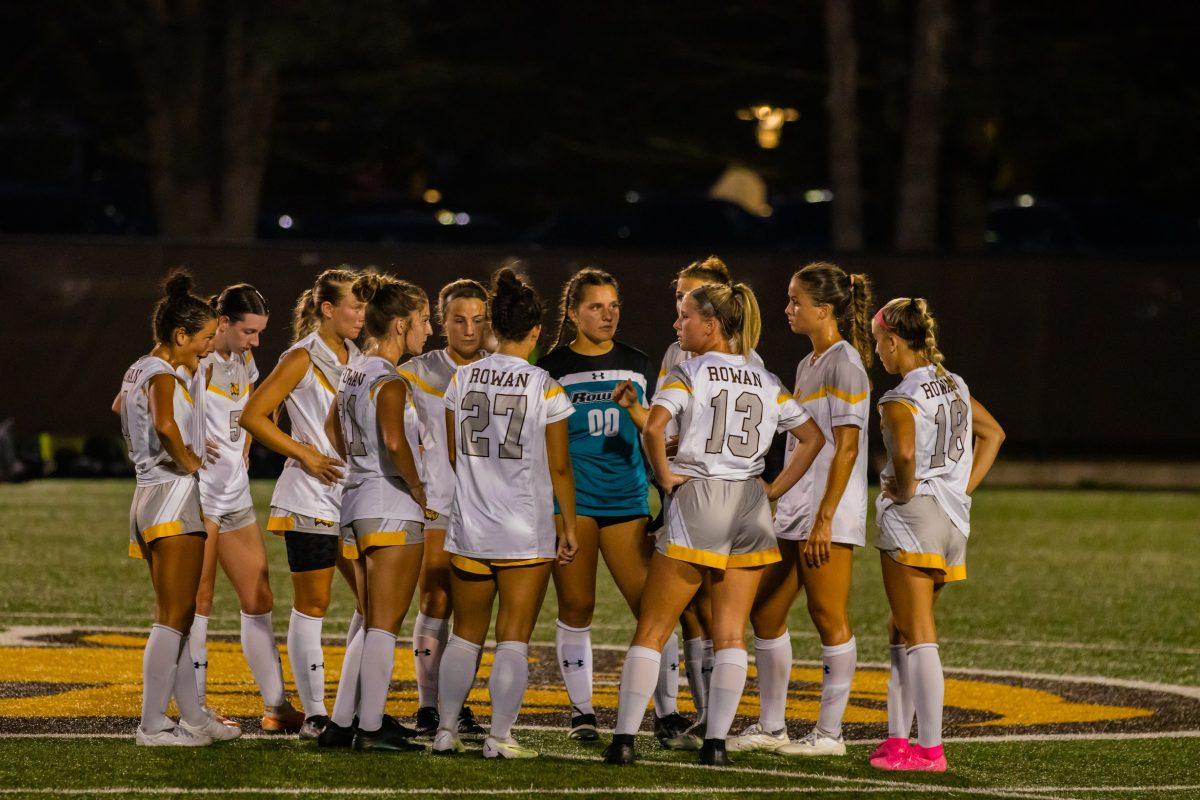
x=225, y=485
x=307, y=406
x=428, y=375
x=677, y=355
x=503, y=502
x=150, y=460
x=834, y=390
x=941, y=408
x=728, y=408
x=373, y=486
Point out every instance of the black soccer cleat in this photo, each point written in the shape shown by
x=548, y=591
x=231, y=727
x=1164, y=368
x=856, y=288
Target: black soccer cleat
x=583, y=728
x=670, y=726
x=620, y=751
x=334, y=735
x=713, y=754
x=469, y=726
x=427, y=721
x=391, y=737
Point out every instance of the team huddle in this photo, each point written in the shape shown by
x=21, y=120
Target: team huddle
x=475, y=473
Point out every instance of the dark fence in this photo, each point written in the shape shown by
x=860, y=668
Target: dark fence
x=1074, y=357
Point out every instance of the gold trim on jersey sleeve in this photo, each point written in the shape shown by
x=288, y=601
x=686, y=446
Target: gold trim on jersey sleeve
x=830, y=389
x=675, y=385
x=783, y=398
x=420, y=384
x=904, y=401
x=321, y=379
x=554, y=391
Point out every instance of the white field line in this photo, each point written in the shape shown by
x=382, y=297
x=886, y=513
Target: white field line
x=18, y=635
x=601, y=626
x=605, y=791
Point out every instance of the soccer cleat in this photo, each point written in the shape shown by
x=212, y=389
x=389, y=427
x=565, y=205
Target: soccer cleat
x=221, y=718
x=814, y=744
x=690, y=739
x=172, y=737
x=620, y=751
x=506, y=748
x=447, y=743
x=756, y=740
x=334, y=735
x=670, y=726
x=282, y=719
x=583, y=728
x=468, y=726
x=391, y=737
x=427, y=721
x=889, y=746
x=928, y=759
x=313, y=726
x=213, y=728
x=712, y=753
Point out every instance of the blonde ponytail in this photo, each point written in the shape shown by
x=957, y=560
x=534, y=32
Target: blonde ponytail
x=911, y=320
x=329, y=287
x=735, y=308
x=304, y=318
x=751, y=327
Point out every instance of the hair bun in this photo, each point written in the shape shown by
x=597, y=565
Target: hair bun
x=178, y=283
x=506, y=278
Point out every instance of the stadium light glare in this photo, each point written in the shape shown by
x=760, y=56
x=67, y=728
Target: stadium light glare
x=445, y=216
x=286, y=222
x=1025, y=200
x=770, y=121
x=431, y=196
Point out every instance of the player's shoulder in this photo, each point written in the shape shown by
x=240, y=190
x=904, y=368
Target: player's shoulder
x=630, y=352
x=559, y=361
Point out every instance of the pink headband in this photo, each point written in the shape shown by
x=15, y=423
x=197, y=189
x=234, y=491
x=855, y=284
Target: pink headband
x=879, y=320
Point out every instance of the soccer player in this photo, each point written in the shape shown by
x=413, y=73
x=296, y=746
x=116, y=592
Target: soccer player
x=606, y=382
x=462, y=315
x=234, y=540
x=306, y=504
x=941, y=442
x=823, y=517
x=164, y=434
x=374, y=427
x=718, y=514
x=506, y=426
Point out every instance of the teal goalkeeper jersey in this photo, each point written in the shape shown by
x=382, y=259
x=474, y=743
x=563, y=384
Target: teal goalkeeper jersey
x=605, y=445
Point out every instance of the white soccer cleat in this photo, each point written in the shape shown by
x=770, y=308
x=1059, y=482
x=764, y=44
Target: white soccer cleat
x=506, y=748
x=213, y=728
x=447, y=743
x=814, y=744
x=172, y=737
x=756, y=740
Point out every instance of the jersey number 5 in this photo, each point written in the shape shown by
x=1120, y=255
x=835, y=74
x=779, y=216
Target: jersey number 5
x=480, y=409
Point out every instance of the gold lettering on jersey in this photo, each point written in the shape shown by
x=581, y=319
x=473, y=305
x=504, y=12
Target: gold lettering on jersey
x=742, y=377
x=939, y=387
x=498, y=377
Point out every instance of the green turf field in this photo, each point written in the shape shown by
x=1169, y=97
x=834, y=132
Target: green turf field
x=1080, y=598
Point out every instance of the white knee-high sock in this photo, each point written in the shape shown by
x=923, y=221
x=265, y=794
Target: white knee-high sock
x=839, y=661
x=666, y=692
x=574, y=646
x=356, y=623
x=345, y=704
x=375, y=677
x=510, y=676
x=773, y=658
x=186, y=697
x=160, y=661
x=928, y=690
x=899, y=695
x=308, y=661
x=429, y=638
x=258, y=647
x=198, y=647
x=707, y=667
x=455, y=676
x=639, y=675
x=725, y=691
x=693, y=657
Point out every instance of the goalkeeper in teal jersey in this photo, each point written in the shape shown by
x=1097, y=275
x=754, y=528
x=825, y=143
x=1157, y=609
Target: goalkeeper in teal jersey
x=611, y=485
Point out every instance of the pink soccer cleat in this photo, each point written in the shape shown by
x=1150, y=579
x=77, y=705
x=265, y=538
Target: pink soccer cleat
x=929, y=759
x=888, y=746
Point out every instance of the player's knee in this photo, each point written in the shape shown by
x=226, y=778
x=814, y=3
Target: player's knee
x=728, y=642
x=261, y=601
x=832, y=623
x=576, y=609
x=313, y=604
